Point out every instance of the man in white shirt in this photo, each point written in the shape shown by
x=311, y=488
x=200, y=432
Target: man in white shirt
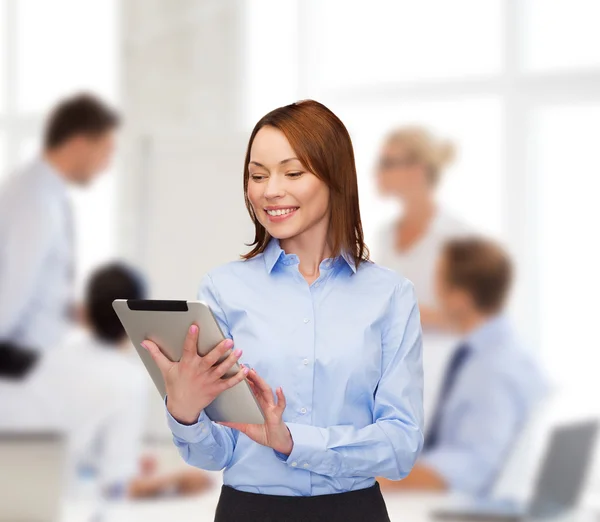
x=93, y=389
x=36, y=229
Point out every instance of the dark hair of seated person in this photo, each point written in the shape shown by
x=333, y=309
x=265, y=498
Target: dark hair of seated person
x=107, y=283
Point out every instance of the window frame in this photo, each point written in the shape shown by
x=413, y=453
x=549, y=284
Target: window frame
x=521, y=93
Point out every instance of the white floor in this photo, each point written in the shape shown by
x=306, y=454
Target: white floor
x=401, y=507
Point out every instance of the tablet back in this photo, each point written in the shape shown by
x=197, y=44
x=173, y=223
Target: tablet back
x=166, y=323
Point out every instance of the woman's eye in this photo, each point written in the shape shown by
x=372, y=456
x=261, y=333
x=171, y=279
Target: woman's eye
x=257, y=177
x=294, y=174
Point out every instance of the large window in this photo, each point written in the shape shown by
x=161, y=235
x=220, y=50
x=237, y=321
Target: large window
x=568, y=166
x=50, y=49
x=516, y=85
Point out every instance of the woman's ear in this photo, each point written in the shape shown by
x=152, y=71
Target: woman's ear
x=464, y=301
x=81, y=315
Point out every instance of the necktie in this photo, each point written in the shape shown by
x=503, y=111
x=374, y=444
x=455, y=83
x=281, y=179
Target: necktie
x=459, y=358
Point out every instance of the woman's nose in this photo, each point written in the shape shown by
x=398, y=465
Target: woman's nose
x=274, y=188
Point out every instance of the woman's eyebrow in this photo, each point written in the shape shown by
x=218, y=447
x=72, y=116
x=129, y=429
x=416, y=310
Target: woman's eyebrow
x=287, y=160
x=281, y=162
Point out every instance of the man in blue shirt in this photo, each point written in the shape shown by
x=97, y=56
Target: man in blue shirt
x=491, y=383
x=36, y=229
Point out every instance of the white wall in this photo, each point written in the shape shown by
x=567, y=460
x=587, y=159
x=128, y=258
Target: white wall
x=182, y=196
x=182, y=209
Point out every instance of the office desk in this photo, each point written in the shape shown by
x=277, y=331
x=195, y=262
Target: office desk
x=402, y=508
x=413, y=507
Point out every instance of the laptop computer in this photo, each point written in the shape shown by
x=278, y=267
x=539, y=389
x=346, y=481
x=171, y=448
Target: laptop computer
x=558, y=486
x=32, y=466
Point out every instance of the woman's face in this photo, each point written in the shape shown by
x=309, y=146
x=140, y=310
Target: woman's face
x=399, y=174
x=287, y=199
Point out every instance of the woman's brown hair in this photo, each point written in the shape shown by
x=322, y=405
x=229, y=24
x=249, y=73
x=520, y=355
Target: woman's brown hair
x=322, y=144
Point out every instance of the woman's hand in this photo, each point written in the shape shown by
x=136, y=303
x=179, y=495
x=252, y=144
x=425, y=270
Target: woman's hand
x=194, y=382
x=273, y=433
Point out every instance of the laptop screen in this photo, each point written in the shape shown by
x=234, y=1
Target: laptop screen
x=563, y=473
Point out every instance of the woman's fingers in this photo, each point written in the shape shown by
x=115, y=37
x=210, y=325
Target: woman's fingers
x=252, y=386
x=261, y=389
x=210, y=359
x=235, y=425
x=226, y=365
x=260, y=398
x=164, y=364
x=225, y=384
x=281, y=402
x=190, y=346
x=260, y=383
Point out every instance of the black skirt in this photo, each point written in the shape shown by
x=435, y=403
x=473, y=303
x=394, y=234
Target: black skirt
x=365, y=505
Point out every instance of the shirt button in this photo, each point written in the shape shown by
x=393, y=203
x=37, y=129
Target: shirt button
x=305, y=465
x=305, y=362
x=294, y=464
x=306, y=320
x=303, y=411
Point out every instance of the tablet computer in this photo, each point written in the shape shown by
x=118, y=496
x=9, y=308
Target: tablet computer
x=166, y=323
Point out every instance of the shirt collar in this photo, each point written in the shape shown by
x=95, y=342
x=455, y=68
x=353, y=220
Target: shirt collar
x=349, y=258
x=488, y=333
x=54, y=178
x=274, y=254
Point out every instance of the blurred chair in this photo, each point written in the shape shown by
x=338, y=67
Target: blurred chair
x=516, y=478
x=32, y=481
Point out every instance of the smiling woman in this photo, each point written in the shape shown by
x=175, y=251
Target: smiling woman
x=302, y=185
x=316, y=317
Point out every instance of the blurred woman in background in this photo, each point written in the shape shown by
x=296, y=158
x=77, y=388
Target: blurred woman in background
x=411, y=164
x=410, y=167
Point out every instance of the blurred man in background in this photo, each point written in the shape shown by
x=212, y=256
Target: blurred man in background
x=491, y=385
x=94, y=390
x=36, y=229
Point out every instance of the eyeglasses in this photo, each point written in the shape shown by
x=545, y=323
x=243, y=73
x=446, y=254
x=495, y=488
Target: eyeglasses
x=396, y=163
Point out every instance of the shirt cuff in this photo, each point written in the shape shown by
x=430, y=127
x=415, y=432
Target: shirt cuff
x=189, y=433
x=309, y=446
x=281, y=456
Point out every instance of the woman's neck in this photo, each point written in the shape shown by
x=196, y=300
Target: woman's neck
x=418, y=211
x=311, y=247
x=414, y=223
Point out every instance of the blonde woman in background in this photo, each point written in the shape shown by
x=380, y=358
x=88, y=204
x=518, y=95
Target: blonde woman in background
x=411, y=164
